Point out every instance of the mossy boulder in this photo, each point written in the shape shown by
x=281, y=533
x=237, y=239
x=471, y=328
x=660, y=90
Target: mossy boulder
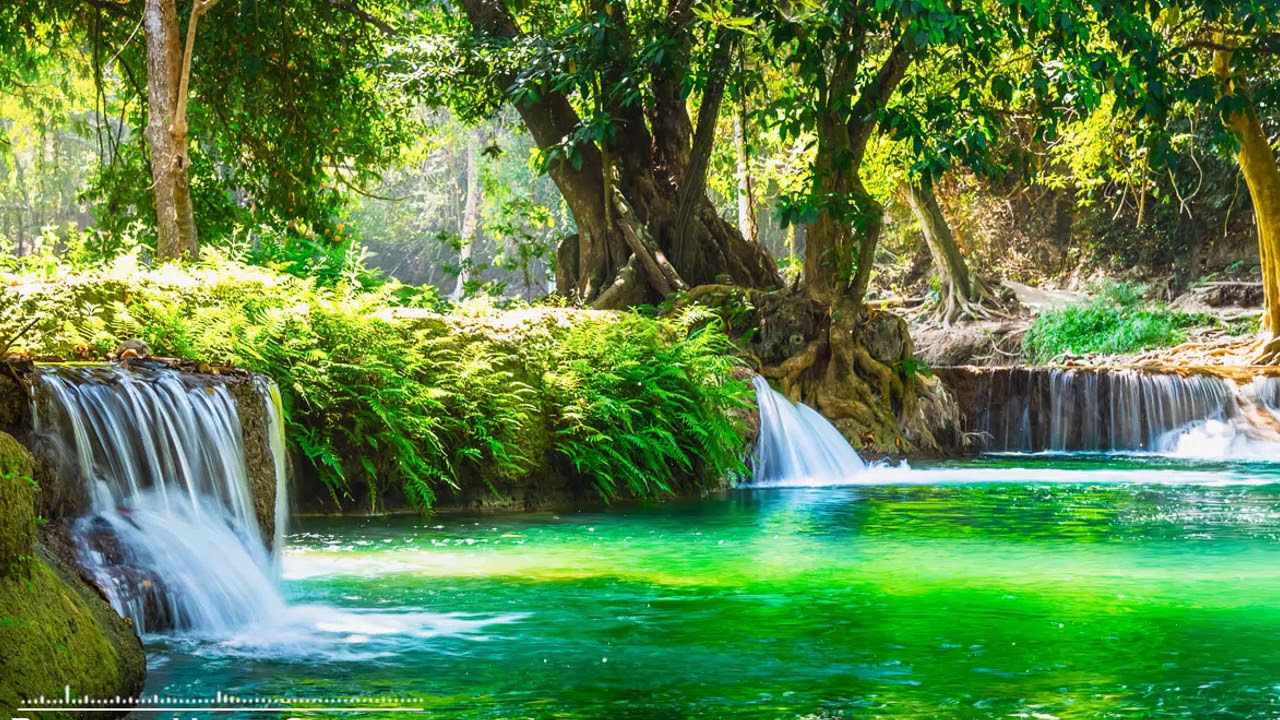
x=55, y=630
x=17, y=507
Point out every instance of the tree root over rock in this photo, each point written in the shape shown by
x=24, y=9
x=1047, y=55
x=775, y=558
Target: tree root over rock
x=854, y=365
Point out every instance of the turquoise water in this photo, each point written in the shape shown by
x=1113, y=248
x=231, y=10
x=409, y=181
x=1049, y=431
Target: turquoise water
x=1025, y=586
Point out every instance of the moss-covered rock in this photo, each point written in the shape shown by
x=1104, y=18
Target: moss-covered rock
x=17, y=507
x=55, y=630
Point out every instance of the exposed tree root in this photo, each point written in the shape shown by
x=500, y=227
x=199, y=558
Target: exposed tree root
x=789, y=371
x=1267, y=351
x=852, y=364
x=984, y=303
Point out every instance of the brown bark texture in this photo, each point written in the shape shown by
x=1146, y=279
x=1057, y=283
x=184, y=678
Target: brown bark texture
x=964, y=296
x=626, y=197
x=168, y=77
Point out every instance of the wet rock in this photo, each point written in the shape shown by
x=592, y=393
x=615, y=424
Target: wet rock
x=251, y=407
x=131, y=350
x=133, y=586
x=63, y=491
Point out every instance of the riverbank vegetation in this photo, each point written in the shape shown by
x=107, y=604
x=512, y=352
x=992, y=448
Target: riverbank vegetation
x=1116, y=320
x=836, y=160
x=389, y=389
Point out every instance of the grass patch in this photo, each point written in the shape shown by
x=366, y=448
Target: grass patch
x=1116, y=321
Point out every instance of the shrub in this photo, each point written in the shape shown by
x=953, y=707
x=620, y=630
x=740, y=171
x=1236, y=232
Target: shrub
x=386, y=384
x=1113, y=322
x=643, y=403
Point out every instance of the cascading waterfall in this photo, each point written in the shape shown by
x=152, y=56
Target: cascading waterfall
x=1125, y=410
x=280, y=461
x=171, y=536
x=797, y=446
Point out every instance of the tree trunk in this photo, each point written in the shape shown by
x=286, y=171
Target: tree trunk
x=470, y=217
x=962, y=295
x=650, y=156
x=167, y=140
x=747, y=224
x=947, y=261
x=1262, y=175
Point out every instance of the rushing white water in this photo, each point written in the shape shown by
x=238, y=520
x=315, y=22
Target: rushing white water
x=797, y=446
x=280, y=459
x=172, y=537
x=1120, y=410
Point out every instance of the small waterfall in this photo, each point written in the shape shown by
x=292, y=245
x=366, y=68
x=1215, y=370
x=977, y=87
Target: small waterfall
x=171, y=536
x=1123, y=410
x=279, y=457
x=797, y=446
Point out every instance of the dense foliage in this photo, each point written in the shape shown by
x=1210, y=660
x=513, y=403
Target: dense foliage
x=383, y=389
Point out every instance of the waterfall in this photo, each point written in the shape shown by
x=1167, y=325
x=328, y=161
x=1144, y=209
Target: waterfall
x=1125, y=410
x=797, y=446
x=171, y=535
x=280, y=464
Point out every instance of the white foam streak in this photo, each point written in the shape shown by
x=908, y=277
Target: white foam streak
x=339, y=635
x=280, y=461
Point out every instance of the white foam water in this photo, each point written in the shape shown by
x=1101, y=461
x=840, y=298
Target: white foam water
x=797, y=446
x=280, y=460
x=171, y=536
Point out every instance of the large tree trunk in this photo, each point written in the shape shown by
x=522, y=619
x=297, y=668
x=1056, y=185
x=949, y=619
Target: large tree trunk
x=470, y=217
x=962, y=295
x=1262, y=175
x=167, y=140
x=856, y=370
x=947, y=261
x=626, y=196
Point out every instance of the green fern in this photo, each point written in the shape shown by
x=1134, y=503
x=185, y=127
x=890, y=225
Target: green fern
x=422, y=402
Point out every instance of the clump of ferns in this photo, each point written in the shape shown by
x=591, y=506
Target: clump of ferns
x=643, y=405
x=635, y=405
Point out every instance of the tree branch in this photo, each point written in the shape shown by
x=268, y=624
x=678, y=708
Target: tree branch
x=178, y=123
x=694, y=181
x=866, y=111
x=365, y=17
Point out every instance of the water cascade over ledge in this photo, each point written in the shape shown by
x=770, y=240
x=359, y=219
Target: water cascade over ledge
x=1119, y=410
x=171, y=535
x=797, y=446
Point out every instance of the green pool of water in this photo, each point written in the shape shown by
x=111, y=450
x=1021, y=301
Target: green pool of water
x=1125, y=588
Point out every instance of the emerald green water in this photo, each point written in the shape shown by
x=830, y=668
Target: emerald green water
x=1123, y=588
